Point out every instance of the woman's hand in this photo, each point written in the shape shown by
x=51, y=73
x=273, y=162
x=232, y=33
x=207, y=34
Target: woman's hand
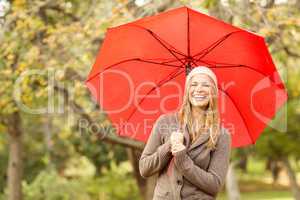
x=176, y=140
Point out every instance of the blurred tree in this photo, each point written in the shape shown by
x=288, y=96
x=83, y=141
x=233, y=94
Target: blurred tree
x=45, y=46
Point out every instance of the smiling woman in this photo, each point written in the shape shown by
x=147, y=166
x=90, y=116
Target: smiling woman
x=201, y=101
x=192, y=160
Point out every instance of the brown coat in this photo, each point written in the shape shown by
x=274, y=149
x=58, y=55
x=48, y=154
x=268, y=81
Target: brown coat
x=197, y=173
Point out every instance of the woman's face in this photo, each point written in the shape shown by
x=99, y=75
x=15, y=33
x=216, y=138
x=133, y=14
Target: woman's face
x=200, y=90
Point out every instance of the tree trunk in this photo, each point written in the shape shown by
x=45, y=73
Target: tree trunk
x=146, y=186
x=292, y=178
x=242, y=163
x=232, y=187
x=15, y=163
x=274, y=167
x=48, y=136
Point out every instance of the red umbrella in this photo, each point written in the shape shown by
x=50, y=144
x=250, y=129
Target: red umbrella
x=140, y=71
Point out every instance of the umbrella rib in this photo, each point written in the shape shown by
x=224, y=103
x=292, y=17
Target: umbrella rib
x=161, y=41
x=170, y=60
x=188, y=33
x=129, y=60
x=175, y=60
x=225, y=65
x=170, y=76
x=158, y=39
x=207, y=50
x=244, y=120
x=163, y=63
x=194, y=62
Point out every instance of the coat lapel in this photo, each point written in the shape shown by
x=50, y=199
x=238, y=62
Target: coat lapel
x=202, y=138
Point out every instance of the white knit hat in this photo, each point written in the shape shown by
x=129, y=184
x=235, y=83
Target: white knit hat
x=202, y=70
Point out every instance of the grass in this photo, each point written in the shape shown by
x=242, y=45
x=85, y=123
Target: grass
x=257, y=183
x=262, y=195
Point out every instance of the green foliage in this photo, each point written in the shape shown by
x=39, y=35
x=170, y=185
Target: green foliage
x=116, y=184
x=48, y=185
x=80, y=184
x=57, y=42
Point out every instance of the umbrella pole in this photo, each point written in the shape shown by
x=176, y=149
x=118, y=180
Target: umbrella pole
x=188, y=68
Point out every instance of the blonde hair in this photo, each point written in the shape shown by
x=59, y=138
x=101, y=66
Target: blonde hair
x=211, y=117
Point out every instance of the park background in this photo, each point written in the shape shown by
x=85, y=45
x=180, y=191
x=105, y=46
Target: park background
x=47, y=155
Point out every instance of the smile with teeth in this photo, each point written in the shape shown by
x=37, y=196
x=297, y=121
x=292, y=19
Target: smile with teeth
x=200, y=97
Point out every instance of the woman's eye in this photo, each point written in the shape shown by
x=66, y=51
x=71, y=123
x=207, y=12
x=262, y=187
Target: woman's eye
x=204, y=84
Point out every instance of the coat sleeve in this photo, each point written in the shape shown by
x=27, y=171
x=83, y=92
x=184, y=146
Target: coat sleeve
x=212, y=180
x=155, y=155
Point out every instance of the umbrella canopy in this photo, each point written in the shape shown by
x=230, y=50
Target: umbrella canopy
x=140, y=71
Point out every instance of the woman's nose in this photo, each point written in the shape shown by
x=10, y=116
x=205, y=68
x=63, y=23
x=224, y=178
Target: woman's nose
x=198, y=88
